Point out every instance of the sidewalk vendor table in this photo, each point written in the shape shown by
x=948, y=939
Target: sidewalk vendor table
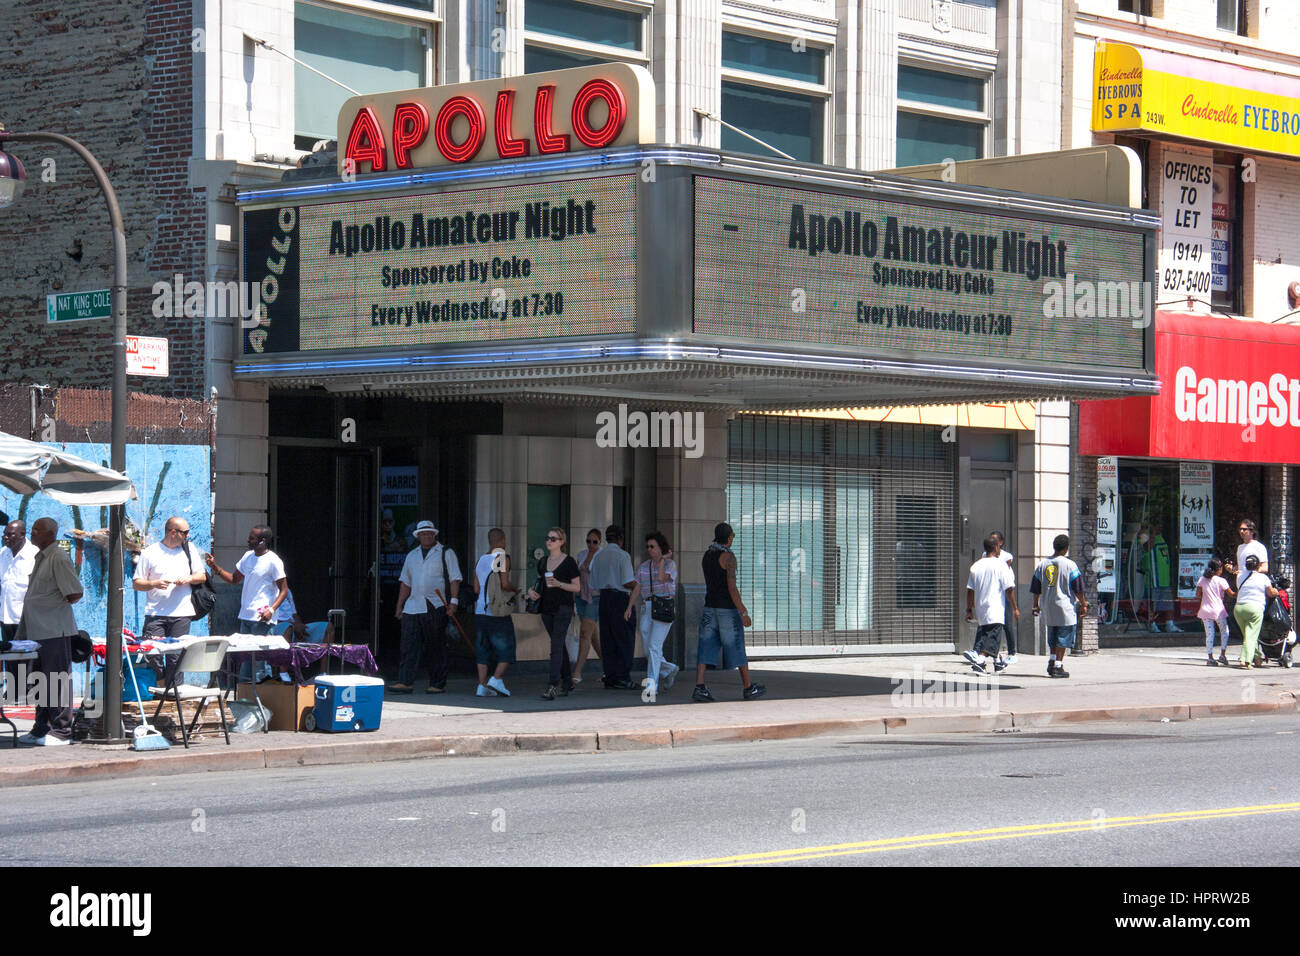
x=296, y=657
x=241, y=644
x=14, y=656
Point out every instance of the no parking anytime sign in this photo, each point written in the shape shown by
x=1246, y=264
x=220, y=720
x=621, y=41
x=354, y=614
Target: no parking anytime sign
x=146, y=356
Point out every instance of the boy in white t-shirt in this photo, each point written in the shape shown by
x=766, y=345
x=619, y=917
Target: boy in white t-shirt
x=989, y=585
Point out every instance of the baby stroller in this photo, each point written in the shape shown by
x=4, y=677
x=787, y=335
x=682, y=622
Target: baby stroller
x=1277, y=637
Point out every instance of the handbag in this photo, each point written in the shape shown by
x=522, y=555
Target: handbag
x=663, y=608
x=202, y=596
x=535, y=607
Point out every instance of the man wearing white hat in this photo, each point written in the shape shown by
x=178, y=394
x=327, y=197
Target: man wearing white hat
x=427, y=569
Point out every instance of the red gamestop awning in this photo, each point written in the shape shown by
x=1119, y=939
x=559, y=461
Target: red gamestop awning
x=1230, y=392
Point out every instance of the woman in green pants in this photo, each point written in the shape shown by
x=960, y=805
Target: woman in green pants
x=1253, y=591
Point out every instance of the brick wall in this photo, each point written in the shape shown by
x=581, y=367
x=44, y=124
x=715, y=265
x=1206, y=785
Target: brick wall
x=117, y=76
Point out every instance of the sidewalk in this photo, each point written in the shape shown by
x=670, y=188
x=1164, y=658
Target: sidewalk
x=879, y=695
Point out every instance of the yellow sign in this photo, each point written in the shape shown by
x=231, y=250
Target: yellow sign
x=1149, y=91
x=1018, y=416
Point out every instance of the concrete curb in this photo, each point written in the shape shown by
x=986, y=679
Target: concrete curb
x=178, y=761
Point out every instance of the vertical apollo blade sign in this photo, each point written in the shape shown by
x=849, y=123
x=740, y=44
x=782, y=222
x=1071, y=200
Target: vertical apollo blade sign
x=272, y=264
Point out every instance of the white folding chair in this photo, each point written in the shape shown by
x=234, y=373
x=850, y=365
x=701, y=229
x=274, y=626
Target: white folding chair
x=202, y=657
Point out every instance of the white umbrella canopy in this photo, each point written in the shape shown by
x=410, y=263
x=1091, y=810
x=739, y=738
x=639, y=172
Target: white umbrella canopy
x=27, y=467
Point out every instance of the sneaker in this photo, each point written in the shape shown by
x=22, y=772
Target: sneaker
x=1172, y=628
x=498, y=685
x=1212, y=662
x=971, y=656
x=1060, y=672
x=552, y=692
x=667, y=682
x=999, y=666
x=1223, y=659
x=49, y=740
x=702, y=695
x=1051, y=667
x=753, y=692
x=400, y=688
x=1012, y=659
x=485, y=691
x=30, y=740
x=979, y=668
x=1155, y=628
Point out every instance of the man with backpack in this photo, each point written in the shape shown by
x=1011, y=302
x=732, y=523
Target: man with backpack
x=494, y=629
x=429, y=570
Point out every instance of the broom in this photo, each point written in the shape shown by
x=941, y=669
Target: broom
x=146, y=737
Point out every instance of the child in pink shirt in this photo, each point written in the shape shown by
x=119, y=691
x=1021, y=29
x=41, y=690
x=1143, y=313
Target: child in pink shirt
x=1210, y=590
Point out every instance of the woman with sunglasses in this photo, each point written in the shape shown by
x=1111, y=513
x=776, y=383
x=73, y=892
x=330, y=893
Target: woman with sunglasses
x=587, y=605
x=657, y=577
x=560, y=583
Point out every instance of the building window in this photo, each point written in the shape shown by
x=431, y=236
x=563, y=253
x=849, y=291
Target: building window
x=366, y=51
x=559, y=34
x=941, y=116
x=776, y=93
x=1232, y=16
x=1140, y=7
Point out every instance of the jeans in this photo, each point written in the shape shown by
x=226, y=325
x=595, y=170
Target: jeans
x=1210, y=628
x=557, y=626
x=423, y=640
x=653, y=634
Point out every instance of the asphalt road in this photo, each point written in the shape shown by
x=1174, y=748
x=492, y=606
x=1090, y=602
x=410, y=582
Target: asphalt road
x=1219, y=792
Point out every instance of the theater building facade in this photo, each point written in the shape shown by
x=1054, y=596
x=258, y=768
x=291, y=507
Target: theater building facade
x=507, y=305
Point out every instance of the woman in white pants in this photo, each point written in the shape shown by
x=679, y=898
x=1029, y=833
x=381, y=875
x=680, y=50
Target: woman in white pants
x=657, y=577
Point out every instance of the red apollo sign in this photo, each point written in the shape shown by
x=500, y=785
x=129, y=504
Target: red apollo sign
x=1229, y=391
x=539, y=114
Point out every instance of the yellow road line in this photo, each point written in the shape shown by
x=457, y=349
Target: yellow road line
x=918, y=841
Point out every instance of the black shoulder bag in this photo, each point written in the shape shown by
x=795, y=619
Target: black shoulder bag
x=663, y=608
x=202, y=596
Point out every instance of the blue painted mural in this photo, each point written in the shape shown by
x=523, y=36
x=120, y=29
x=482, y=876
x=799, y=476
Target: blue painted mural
x=169, y=480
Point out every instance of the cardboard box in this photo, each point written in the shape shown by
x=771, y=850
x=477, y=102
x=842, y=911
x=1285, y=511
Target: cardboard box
x=288, y=703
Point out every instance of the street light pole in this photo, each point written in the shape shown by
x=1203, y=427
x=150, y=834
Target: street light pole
x=113, y=663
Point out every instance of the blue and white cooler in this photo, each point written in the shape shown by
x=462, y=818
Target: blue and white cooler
x=348, y=702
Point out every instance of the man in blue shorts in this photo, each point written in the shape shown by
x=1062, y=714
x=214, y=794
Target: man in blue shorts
x=1058, y=582
x=723, y=622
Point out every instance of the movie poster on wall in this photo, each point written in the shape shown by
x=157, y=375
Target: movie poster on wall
x=1107, y=502
x=1196, y=484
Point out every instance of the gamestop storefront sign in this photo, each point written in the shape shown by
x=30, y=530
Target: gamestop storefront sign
x=1230, y=392
x=541, y=114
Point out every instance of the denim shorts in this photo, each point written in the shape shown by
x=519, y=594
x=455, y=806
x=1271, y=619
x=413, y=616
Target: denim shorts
x=722, y=639
x=587, y=610
x=1061, y=636
x=494, y=639
x=988, y=639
